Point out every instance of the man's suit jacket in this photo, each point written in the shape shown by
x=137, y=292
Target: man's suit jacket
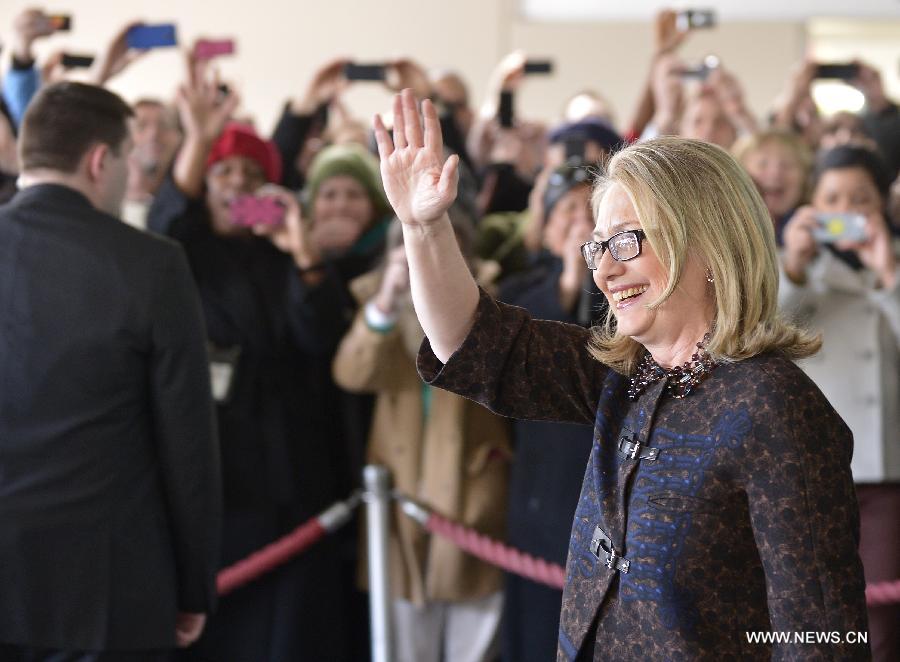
x=110, y=489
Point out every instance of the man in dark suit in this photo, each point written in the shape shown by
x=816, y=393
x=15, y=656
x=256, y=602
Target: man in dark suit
x=110, y=504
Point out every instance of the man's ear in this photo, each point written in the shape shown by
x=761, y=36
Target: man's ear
x=95, y=160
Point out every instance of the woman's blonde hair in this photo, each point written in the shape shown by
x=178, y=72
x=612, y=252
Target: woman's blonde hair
x=693, y=200
x=793, y=143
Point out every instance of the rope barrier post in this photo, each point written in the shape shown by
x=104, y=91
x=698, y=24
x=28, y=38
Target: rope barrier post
x=376, y=480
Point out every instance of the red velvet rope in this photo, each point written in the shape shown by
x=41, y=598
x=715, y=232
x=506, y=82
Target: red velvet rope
x=497, y=553
x=269, y=557
x=479, y=545
x=539, y=570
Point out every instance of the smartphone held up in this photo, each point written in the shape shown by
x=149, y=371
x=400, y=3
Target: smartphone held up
x=207, y=49
x=833, y=228
x=702, y=71
x=695, y=19
x=144, y=37
x=365, y=72
x=538, y=67
x=60, y=22
x=248, y=211
x=837, y=71
x=72, y=61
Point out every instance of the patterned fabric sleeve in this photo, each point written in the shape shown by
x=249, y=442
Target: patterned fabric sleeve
x=805, y=521
x=521, y=368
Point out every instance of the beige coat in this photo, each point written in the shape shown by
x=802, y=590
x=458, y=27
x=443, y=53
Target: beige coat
x=858, y=368
x=457, y=462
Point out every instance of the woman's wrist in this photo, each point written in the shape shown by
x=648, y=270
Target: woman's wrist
x=196, y=140
x=311, y=275
x=664, y=122
x=384, y=302
x=307, y=261
x=426, y=230
x=795, y=270
x=571, y=280
x=888, y=278
x=377, y=319
x=304, y=107
x=22, y=52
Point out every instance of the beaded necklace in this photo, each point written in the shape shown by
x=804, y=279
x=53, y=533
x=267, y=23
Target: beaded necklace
x=681, y=378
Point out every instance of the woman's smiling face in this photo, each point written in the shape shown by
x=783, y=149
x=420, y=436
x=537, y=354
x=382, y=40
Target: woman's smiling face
x=631, y=285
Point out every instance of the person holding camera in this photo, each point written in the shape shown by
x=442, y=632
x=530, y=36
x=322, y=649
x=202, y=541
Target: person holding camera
x=441, y=449
x=23, y=79
x=274, y=313
x=718, y=499
x=840, y=277
x=506, y=151
x=780, y=164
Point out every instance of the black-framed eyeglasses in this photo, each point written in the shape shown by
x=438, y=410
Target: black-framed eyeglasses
x=622, y=246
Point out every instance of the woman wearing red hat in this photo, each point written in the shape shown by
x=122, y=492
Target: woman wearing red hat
x=274, y=313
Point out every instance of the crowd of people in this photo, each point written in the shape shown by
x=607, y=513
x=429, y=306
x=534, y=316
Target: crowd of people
x=322, y=255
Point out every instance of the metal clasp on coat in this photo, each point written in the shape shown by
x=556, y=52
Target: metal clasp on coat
x=633, y=449
x=613, y=560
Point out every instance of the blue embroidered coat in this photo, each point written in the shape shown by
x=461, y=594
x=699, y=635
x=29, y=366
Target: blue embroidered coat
x=702, y=521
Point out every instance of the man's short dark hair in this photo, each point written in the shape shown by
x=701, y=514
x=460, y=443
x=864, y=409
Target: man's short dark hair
x=65, y=119
x=856, y=156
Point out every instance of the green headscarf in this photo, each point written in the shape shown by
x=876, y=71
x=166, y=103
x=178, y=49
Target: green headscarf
x=353, y=161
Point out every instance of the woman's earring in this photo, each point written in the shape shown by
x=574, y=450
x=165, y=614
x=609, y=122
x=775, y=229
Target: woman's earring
x=709, y=276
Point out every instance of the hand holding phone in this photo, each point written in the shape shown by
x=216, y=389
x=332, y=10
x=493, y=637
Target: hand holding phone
x=33, y=24
x=249, y=211
x=832, y=228
x=144, y=37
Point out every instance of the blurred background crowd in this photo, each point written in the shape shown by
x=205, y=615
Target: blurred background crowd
x=271, y=185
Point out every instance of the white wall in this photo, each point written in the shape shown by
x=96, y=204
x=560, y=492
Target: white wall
x=727, y=10
x=281, y=42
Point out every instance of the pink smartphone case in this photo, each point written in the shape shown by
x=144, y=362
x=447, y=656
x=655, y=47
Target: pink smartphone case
x=206, y=49
x=250, y=210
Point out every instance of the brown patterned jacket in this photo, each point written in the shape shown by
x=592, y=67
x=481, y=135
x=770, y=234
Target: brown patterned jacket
x=723, y=514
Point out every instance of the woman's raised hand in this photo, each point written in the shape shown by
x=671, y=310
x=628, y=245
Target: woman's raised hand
x=799, y=245
x=876, y=252
x=292, y=236
x=419, y=183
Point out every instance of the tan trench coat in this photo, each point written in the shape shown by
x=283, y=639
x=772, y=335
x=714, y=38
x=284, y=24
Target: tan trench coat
x=457, y=462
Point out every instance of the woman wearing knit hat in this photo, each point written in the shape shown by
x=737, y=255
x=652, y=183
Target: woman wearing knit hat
x=349, y=216
x=348, y=208
x=274, y=313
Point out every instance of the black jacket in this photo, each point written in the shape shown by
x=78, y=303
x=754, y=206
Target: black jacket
x=109, y=469
x=277, y=426
x=546, y=475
